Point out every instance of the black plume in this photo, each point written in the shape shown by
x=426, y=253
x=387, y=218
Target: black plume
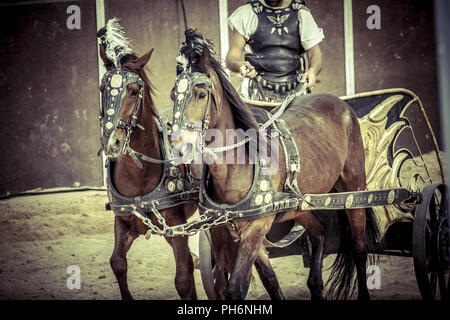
x=192, y=49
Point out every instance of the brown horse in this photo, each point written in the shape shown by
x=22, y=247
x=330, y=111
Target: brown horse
x=131, y=181
x=327, y=134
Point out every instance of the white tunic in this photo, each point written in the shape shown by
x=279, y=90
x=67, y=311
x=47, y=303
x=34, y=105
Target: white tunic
x=245, y=21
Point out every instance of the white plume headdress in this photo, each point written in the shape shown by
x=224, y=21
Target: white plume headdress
x=115, y=42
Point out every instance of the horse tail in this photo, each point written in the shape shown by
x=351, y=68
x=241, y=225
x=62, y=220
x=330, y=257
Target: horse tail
x=342, y=278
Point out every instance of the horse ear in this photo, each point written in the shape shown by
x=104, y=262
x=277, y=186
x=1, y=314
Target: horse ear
x=108, y=63
x=204, y=59
x=142, y=61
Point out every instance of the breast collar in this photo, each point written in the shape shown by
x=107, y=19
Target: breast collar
x=262, y=199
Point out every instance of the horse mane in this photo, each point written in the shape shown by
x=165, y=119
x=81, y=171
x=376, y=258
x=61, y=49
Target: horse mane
x=189, y=56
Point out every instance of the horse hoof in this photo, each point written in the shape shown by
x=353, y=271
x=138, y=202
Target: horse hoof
x=127, y=297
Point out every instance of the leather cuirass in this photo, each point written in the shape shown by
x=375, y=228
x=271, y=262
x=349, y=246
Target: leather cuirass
x=276, y=43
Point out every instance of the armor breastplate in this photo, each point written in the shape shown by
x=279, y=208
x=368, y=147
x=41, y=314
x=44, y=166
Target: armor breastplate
x=276, y=42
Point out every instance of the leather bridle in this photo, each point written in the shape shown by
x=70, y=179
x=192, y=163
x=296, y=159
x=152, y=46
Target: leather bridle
x=183, y=91
x=115, y=83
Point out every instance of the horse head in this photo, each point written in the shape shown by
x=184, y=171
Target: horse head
x=123, y=89
x=195, y=95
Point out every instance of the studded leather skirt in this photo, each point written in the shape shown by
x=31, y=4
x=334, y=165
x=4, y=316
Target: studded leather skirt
x=261, y=89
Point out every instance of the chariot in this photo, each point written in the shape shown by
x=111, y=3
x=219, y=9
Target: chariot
x=405, y=188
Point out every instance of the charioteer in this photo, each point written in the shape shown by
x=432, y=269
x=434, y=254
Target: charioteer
x=268, y=45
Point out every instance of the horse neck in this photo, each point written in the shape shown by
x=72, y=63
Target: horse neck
x=231, y=181
x=129, y=178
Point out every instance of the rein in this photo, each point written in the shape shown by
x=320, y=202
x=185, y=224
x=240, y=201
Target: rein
x=162, y=124
x=303, y=91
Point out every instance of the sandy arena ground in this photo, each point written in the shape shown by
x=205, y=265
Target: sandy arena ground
x=41, y=236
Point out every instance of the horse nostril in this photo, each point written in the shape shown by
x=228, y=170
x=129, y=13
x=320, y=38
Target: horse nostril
x=114, y=145
x=185, y=150
x=178, y=152
x=182, y=153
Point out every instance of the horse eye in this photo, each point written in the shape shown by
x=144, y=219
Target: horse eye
x=134, y=92
x=202, y=95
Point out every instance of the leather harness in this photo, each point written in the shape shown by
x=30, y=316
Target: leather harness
x=263, y=200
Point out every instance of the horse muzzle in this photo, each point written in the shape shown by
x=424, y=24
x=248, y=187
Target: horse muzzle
x=114, y=146
x=183, y=153
x=184, y=146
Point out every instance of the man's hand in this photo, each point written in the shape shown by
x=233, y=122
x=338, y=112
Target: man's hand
x=315, y=61
x=235, y=57
x=309, y=77
x=247, y=70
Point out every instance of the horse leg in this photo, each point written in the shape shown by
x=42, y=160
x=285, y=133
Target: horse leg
x=225, y=253
x=316, y=240
x=252, y=236
x=268, y=276
x=221, y=281
x=357, y=220
x=123, y=239
x=315, y=282
x=184, y=275
x=240, y=278
x=353, y=178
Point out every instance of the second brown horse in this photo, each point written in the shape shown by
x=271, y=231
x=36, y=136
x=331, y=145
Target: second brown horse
x=327, y=134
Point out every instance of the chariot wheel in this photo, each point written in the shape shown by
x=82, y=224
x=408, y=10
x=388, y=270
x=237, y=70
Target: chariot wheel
x=431, y=250
x=206, y=264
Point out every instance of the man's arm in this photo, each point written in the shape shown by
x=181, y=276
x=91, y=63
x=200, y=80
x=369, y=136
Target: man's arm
x=235, y=56
x=314, y=55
